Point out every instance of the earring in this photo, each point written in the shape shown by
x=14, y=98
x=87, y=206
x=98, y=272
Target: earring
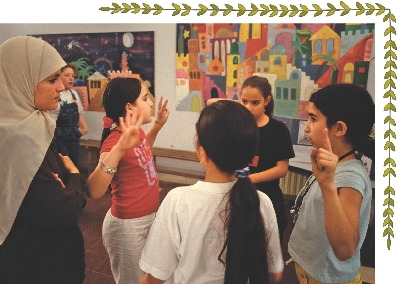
x=204, y=164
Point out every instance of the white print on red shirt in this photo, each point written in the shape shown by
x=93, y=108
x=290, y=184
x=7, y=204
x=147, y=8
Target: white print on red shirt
x=145, y=161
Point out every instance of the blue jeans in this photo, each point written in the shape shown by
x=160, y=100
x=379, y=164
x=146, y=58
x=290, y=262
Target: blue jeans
x=69, y=148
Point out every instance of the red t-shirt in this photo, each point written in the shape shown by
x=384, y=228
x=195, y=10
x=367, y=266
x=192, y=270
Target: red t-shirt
x=135, y=185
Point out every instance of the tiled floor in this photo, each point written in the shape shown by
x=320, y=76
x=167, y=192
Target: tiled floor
x=98, y=269
x=97, y=262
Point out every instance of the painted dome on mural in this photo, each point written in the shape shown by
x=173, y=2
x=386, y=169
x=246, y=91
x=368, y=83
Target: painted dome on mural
x=284, y=26
x=278, y=49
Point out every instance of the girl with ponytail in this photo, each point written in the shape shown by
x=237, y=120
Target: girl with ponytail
x=271, y=161
x=221, y=229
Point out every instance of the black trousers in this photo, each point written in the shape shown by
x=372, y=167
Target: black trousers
x=31, y=255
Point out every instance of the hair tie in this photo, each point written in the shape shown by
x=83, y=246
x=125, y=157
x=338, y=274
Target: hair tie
x=243, y=173
x=107, y=122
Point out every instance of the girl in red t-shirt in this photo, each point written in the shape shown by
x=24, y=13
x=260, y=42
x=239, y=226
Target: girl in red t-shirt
x=126, y=163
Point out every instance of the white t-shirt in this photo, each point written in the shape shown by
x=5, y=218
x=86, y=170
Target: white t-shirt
x=66, y=96
x=188, y=234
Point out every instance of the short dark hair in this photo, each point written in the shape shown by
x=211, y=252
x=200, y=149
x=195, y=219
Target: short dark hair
x=353, y=105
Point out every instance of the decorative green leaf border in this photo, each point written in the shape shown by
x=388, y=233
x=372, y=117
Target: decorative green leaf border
x=273, y=10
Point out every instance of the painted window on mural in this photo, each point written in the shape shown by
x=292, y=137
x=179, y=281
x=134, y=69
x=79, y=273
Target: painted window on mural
x=278, y=93
x=318, y=46
x=293, y=94
x=330, y=45
x=285, y=93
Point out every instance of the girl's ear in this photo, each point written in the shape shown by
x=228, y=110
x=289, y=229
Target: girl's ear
x=202, y=156
x=267, y=100
x=341, y=128
x=129, y=106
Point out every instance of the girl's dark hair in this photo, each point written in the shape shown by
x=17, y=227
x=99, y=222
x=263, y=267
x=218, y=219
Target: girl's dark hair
x=265, y=88
x=228, y=133
x=353, y=105
x=118, y=92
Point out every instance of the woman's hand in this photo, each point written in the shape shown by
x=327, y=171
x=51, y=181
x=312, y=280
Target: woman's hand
x=69, y=165
x=149, y=279
x=324, y=162
x=59, y=179
x=163, y=112
x=211, y=101
x=130, y=127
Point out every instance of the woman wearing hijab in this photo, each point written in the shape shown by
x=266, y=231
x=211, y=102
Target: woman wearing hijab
x=41, y=193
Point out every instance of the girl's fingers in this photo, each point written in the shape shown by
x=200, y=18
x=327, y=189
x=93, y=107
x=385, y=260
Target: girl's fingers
x=313, y=155
x=326, y=142
x=129, y=120
x=165, y=104
x=121, y=124
x=162, y=107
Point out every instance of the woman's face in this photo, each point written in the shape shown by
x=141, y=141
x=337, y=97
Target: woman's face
x=144, y=104
x=48, y=92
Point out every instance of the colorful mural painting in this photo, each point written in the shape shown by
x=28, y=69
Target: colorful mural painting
x=213, y=60
x=100, y=57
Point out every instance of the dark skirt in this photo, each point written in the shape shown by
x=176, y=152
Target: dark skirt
x=31, y=254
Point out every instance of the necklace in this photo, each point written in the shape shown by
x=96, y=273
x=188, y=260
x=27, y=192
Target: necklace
x=346, y=155
x=295, y=210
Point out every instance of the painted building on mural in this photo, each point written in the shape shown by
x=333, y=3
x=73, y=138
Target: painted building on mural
x=285, y=34
x=216, y=59
x=325, y=45
x=287, y=95
x=95, y=83
x=233, y=60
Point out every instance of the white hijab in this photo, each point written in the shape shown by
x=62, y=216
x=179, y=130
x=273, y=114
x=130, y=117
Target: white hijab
x=25, y=131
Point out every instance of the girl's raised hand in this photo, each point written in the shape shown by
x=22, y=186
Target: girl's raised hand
x=162, y=113
x=130, y=127
x=323, y=161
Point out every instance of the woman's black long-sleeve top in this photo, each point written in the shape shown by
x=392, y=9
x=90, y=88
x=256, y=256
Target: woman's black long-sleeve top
x=45, y=244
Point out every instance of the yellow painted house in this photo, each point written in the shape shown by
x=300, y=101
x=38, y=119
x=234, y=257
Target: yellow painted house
x=95, y=83
x=278, y=61
x=325, y=44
